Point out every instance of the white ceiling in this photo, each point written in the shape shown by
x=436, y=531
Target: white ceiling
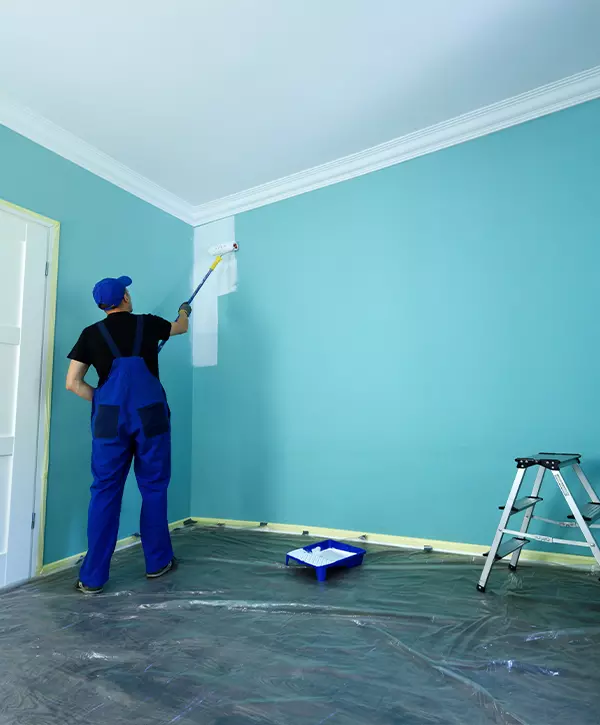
x=211, y=97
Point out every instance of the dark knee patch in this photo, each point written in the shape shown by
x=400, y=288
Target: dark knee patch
x=106, y=423
x=155, y=420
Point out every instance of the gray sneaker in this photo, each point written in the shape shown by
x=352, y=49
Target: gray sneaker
x=161, y=572
x=87, y=590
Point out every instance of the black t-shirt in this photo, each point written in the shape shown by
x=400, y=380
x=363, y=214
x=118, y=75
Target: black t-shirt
x=92, y=349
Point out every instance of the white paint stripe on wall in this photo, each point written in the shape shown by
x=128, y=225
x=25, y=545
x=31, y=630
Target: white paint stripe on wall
x=205, y=319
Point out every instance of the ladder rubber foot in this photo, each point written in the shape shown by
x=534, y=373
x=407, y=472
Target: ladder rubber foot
x=480, y=588
x=512, y=568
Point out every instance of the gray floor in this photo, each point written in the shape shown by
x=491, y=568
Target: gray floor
x=234, y=638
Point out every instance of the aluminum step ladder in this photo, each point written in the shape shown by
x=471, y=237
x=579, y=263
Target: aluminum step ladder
x=582, y=518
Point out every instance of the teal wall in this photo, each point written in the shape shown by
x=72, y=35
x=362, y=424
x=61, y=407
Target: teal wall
x=399, y=338
x=104, y=232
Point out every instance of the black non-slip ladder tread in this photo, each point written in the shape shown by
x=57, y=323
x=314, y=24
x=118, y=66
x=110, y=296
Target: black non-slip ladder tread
x=590, y=513
x=551, y=461
x=507, y=547
x=522, y=503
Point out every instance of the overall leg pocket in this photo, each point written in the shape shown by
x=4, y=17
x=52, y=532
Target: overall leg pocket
x=155, y=419
x=106, y=422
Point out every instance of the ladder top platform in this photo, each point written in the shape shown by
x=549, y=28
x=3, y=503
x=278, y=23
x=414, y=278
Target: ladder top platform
x=552, y=461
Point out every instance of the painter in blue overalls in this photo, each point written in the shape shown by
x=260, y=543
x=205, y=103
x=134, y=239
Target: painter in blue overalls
x=130, y=423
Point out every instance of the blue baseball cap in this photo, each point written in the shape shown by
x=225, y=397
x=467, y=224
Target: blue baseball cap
x=109, y=292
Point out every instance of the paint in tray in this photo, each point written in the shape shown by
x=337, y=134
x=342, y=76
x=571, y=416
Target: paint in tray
x=325, y=554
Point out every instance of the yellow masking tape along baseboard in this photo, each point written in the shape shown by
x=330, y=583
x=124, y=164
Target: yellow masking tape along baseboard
x=121, y=544
x=405, y=542
x=448, y=547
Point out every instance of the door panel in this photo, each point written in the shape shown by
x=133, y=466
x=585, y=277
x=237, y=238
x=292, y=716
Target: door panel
x=9, y=358
x=23, y=254
x=13, y=235
x=5, y=476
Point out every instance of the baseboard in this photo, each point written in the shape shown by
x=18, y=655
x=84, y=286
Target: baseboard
x=405, y=542
x=125, y=543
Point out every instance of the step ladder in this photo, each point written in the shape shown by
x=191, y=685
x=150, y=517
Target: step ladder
x=582, y=518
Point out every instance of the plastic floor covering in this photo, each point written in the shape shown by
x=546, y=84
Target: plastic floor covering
x=234, y=638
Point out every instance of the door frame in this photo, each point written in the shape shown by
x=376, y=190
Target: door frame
x=52, y=228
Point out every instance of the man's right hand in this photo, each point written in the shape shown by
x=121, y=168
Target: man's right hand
x=186, y=308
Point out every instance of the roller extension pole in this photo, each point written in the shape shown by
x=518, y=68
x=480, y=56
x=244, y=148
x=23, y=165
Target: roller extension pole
x=219, y=250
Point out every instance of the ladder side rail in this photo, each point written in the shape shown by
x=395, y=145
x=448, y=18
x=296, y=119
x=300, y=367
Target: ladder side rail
x=537, y=485
x=589, y=537
x=491, y=558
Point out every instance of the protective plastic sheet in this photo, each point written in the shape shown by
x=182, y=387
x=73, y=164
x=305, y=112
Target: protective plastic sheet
x=234, y=638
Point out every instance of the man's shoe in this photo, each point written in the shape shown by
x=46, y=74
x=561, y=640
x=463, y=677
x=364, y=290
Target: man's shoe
x=161, y=572
x=87, y=590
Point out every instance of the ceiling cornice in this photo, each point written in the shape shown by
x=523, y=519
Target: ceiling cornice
x=541, y=101
x=527, y=106
x=64, y=143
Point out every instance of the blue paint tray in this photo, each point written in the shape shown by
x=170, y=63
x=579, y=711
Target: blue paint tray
x=326, y=554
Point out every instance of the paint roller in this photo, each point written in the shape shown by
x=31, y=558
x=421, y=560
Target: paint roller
x=218, y=251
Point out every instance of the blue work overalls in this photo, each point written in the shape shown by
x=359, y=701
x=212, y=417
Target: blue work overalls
x=130, y=418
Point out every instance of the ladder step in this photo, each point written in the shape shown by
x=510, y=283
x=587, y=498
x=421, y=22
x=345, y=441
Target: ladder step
x=590, y=512
x=522, y=503
x=507, y=547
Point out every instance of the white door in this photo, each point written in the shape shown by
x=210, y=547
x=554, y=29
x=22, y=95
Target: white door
x=23, y=256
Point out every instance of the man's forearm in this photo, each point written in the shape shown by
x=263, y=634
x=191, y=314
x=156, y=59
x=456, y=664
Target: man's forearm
x=75, y=380
x=180, y=327
x=82, y=389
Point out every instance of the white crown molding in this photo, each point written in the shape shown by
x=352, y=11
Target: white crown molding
x=541, y=101
x=46, y=133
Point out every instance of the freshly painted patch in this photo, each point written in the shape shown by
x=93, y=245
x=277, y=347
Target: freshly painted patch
x=205, y=320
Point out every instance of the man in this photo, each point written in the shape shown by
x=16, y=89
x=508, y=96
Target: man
x=130, y=420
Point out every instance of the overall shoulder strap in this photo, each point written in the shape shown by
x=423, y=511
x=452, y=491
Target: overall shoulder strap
x=108, y=339
x=139, y=333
